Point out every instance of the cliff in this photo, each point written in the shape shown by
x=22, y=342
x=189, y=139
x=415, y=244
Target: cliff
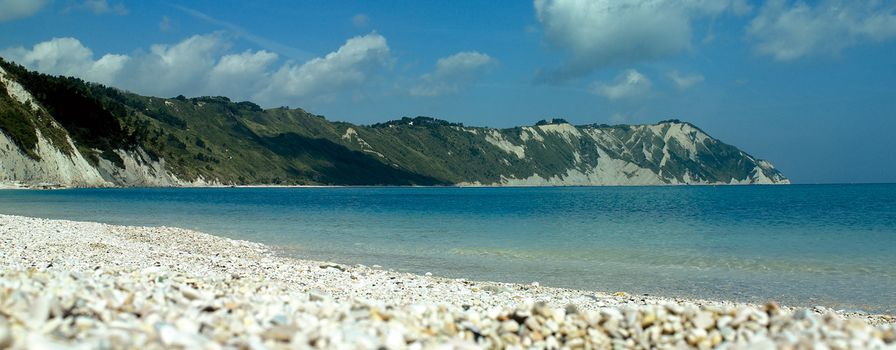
x=61, y=131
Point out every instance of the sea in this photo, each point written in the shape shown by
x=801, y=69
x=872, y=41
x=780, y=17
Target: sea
x=800, y=245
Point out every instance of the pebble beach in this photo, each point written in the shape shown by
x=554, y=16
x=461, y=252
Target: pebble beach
x=82, y=285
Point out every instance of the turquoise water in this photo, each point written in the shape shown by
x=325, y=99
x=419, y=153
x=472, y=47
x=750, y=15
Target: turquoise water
x=832, y=245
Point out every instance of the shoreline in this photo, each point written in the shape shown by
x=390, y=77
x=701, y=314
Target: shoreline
x=51, y=186
x=163, y=286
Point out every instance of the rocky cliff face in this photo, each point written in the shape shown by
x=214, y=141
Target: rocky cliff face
x=60, y=163
x=560, y=154
x=57, y=131
x=671, y=152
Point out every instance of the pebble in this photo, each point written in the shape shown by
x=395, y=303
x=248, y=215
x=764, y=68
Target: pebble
x=510, y=326
x=5, y=337
x=164, y=287
x=704, y=320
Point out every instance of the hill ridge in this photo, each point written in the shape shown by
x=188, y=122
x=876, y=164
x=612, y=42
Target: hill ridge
x=67, y=132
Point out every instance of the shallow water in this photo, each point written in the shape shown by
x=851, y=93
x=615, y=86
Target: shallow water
x=832, y=245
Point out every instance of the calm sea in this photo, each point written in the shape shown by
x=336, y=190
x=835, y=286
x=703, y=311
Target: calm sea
x=832, y=245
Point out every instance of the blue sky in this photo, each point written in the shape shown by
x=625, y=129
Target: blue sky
x=810, y=86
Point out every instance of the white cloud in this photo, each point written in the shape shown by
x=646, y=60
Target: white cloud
x=360, y=20
x=101, y=7
x=235, y=74
x=242, y=33
x=630, y=83
x=788, y=31
x=106, y=68
x=351, y=65
x=168, y=70
x=67, y=56
x=601, y=33
x=685, y=81
x=15, y=9
x=452, y=73
x=202, y=65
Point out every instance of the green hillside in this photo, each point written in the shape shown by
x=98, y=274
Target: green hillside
x=242, y=143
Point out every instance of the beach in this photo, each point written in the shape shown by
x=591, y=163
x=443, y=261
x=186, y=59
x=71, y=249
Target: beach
x=66, y=284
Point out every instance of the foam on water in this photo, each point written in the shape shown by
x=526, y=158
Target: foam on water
x=832, y=245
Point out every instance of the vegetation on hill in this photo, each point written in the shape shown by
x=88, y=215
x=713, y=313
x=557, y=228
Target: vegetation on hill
x=551, y=121
x=17, y=122
x=418, y=121
x=212, y=137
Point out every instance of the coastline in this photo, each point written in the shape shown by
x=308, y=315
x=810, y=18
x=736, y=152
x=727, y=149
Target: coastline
x=48, y=186
x=94, y=285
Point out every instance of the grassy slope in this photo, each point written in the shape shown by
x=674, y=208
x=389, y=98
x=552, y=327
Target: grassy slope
x=22, y=124
x=241, y=143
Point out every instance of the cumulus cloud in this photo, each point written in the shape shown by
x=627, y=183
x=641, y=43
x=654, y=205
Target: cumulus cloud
x=203, y=65
x=168, y=70
x=235, y=74
x=351, y=65
x=164, y=70
x=452, y=73
x=628, y=84
x=600, y=33
x=242, y=33
x=15, y=9
x=788, y=31
x=683, y=81
x=67, y=56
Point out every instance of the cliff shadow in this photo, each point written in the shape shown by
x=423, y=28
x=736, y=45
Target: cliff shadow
x=338, y=165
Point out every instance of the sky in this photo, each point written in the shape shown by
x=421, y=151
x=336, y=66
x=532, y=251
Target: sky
x=807, y=85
